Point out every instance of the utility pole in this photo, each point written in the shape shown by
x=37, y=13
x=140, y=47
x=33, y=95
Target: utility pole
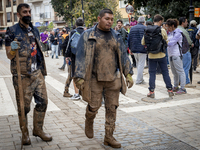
x=191, y=11
x=82, y=9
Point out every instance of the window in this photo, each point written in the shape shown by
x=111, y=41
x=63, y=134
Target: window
x=37, y=10
x=15, y=17
x=121, y=4
x=47, y=11
x=9, y=17
x=14, y=2
x=8, y=3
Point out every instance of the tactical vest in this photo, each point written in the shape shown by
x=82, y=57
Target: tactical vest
x=21, y=34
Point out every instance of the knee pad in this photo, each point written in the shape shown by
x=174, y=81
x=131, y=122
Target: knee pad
x=112, y=108
x=41, y=107
x=92, y=109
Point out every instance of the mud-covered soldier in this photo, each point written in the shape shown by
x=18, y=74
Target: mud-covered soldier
x=33, y=70
x=101, y=62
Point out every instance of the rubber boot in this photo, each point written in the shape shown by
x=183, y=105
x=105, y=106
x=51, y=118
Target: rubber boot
x=38, y=120
x=25, y=134
x=109, y=140
x=89, y=115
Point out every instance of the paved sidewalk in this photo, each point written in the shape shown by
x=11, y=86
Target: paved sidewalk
x=166, y=125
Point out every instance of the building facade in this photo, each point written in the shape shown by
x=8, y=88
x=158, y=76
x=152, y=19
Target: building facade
x=42, y=13
x=8, y=14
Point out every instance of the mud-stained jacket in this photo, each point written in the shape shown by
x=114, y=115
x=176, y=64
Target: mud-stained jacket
x=85, y=56
x=21, y=34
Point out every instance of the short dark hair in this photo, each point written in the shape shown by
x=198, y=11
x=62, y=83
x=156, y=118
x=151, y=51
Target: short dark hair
x=104, y=11
x=171, y=22
x=19, y=7
x=119, y=20
x=182, y=20
x=157, y=18
x=149, y=23
x=79, y=22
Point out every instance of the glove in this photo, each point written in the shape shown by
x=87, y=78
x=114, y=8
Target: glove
x=14, y=46
x=129, y=81
x=79, y=83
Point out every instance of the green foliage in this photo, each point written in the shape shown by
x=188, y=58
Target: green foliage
x=91, y=9
x=42, y=28
x=50, y=26
x=166, y=8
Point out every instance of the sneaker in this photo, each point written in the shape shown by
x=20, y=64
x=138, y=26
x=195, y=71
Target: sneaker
x=170, y=92
x=76, y=97
x=151, y=94
x=181, y=91
x=143, y=82
x=175, y=89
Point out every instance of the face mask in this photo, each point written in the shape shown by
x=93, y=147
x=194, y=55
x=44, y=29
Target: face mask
x=26, y=19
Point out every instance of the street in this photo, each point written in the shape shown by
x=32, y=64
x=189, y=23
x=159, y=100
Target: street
x=142, y=124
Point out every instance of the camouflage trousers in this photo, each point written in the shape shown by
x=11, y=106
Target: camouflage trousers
x=110, y=90
x=33, y=86
x=69, y=79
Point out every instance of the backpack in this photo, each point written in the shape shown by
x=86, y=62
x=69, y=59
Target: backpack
x=74, y=41
x=192, y=33
x=153, y=40
x=185, y=45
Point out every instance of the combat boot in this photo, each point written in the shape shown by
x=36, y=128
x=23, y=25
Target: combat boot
x=89, y=115
x=38, y=120
x=25, y=134
x=66, y=94
x=109, y=140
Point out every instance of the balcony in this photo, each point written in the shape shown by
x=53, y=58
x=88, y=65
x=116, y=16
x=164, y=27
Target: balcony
x=46, y=15
x=34, y=1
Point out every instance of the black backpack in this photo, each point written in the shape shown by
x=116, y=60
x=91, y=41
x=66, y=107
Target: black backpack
x=192, y=34
x=153, y=40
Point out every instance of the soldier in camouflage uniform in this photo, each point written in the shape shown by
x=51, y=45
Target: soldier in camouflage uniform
x=101, y=62
x=33, y=70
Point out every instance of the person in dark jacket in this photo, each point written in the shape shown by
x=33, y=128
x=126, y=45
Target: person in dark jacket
x=101, y=63
x=138, y=50
x=54, y=46
x=194, y=50
x=122, y=31
x=70, y=57
x=33, y=70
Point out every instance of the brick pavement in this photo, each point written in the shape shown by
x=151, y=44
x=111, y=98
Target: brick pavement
x=173, y=127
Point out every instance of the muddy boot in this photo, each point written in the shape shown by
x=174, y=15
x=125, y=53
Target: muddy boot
x=25, y=133
x=89, y=115
x=38, y=120
x=109, y=140
x=66, y=92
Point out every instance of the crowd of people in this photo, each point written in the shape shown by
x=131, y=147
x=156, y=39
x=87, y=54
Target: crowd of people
x=97, y=60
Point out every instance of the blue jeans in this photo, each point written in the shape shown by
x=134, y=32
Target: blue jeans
x=186, y=65
x=167, y=56
x=54, y=50
x=164, y=70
